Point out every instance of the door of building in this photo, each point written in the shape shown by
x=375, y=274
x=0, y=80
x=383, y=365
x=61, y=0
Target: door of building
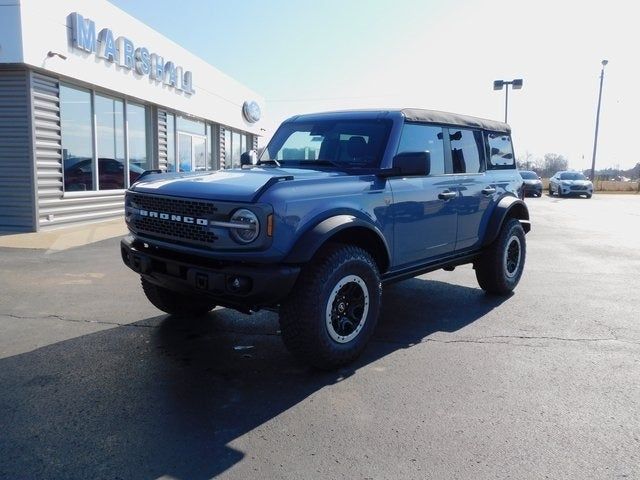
x=192, y=152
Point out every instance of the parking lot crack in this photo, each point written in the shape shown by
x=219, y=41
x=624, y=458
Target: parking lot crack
x=509, y=340
x=74, y=320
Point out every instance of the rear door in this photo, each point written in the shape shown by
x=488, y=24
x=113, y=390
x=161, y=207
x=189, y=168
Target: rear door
x=477, y=191
x=424, y=208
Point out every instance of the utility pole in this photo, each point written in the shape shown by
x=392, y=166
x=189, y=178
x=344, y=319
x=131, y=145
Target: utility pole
x=595, y=139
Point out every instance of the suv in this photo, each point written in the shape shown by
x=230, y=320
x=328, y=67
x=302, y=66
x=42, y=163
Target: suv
x=532, y=183
x=338, y=205
x=570, y=183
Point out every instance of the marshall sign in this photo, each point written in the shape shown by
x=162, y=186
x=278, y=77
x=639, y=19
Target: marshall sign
x=123, y=52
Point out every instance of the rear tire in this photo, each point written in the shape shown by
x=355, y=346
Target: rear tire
x=175, y=303
x=500, y=267
x=334, y=307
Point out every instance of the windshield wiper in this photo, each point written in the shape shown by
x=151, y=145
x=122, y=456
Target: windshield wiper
x=270, y=161
x=323, y=162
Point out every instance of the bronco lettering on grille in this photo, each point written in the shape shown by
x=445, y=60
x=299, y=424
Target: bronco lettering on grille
x=173, y=218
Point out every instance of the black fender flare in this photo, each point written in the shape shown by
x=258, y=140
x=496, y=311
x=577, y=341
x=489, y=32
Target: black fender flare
x=507, y=207
x=309, y=242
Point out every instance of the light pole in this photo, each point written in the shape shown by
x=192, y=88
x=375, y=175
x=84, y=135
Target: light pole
x=595, y=139
x=498, y=84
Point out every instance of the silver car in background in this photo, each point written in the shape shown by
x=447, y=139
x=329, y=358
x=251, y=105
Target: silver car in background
x=570, y=183
x=532, y=183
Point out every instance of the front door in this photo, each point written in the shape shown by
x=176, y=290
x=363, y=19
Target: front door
x=424, y=208
x=192, y=152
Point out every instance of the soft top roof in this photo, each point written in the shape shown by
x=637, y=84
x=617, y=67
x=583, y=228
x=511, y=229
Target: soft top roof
x=433, y=116
x=411, y=115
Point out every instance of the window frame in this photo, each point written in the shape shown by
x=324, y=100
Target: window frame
x=482, y=151
x=445, y=148
x=228, y=146
x=96, y=153
x=489, y=165
x=150, y=136
x=94, y=159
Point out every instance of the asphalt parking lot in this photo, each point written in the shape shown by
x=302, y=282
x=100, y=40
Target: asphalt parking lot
x=97, y=383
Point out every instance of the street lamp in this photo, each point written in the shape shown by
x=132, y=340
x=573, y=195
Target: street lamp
x=595, y=139
x=498, y=84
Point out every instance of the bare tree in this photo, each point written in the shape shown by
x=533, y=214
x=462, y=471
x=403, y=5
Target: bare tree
x=553, y=163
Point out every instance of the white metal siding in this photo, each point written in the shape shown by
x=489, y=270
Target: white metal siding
x=16, y=194
x=223, y=148
x=53, y=207
x=162, y=140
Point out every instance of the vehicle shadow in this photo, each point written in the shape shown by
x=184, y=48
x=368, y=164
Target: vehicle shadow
x=167, y=395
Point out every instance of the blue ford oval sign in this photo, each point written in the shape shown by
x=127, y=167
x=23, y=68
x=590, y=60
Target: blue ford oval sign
x=251, y=111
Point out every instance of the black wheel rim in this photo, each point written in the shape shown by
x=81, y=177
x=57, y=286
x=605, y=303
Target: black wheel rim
x=512, y=257
x=347, y=309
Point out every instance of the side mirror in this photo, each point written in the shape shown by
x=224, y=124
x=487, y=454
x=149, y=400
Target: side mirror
x=408, y=164
x=248, y=158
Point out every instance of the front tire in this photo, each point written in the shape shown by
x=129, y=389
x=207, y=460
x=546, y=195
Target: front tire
x=500, y=267
x=334, y=307
x=175, y=303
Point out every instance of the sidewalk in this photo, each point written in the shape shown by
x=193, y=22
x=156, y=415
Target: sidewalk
x=64, y=238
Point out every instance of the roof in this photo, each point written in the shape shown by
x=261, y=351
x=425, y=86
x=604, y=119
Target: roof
x=411, y=115
x=445, y=118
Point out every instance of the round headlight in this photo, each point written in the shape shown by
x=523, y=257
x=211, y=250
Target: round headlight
x=248, y=227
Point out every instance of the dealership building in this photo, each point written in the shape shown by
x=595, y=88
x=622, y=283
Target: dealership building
x=90, y=98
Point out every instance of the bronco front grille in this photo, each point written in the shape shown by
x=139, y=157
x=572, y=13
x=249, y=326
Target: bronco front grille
x=169, y=228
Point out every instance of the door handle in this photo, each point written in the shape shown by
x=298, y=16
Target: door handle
x=488, y=191
x=447, y=195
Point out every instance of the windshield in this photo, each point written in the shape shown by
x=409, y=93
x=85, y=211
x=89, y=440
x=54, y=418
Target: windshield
x=528, y=175
x=572, y=176
x=343, y=144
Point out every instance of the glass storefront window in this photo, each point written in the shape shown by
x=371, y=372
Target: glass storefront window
x=77, y=138
x=243, y=144
x=191, y=126
x=110, y=137
x=235, y=149
x=171, y=143
x=184, y=152
x=199, y=153
x=211, y=150
x=227, y=149
x=139, y=157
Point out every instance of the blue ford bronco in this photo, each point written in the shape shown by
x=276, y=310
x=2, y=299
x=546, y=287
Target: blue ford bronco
x=337, y=205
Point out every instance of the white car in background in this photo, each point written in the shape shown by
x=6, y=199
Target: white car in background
x=570, y=183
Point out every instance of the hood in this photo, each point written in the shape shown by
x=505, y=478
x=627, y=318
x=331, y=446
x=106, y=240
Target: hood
x=235, y=185
x=576, y=182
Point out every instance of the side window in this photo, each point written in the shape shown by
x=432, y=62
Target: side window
x=466, y=150
x=420, y=138
x=500, y=151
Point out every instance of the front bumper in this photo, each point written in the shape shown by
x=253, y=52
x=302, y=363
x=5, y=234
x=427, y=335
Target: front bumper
x=230, y=284
x=569, y=191
x=533, y=189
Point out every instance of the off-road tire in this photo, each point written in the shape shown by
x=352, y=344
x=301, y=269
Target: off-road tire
x=492, y=268
x=175, y=303
x=304, y=316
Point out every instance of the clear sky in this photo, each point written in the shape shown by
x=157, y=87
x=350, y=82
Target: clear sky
x=304, y=55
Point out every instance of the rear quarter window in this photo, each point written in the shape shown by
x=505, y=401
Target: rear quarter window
x=500, y=151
